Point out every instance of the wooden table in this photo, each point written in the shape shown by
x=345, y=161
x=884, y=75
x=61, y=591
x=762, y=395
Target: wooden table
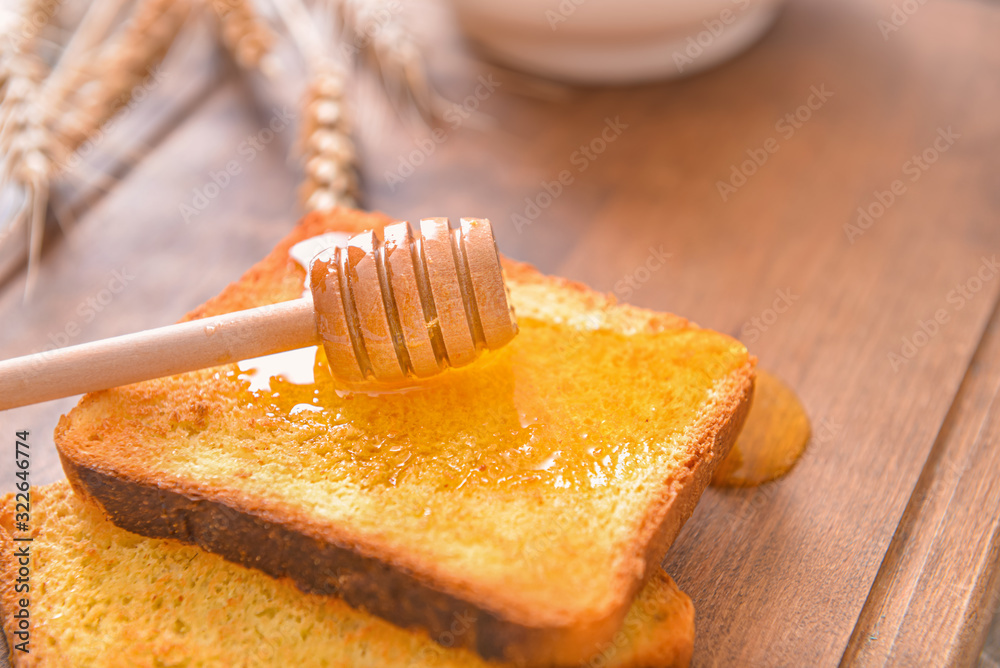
x=881, y=545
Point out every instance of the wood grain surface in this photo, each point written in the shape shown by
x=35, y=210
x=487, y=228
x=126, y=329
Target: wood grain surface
x=880, y=546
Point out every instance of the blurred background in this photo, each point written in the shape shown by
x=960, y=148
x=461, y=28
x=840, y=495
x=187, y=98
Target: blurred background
x=818, y=178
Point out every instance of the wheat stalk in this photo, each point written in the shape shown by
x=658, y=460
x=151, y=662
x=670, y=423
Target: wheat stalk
x=20, y=69
x=69, y=74
x=32, y=16
x=25, y=142
x=326, y=146
x=377, y=30
x=44, y=119
x=121, y=66
x=35, y=136
x=28, y=153
x=246, y=35
x=324, y=133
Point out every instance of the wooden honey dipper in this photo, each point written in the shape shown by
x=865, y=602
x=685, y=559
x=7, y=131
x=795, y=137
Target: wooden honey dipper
x=408, y=306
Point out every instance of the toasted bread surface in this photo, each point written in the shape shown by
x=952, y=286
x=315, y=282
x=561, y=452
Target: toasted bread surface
x=102, y=596
x=534, y=490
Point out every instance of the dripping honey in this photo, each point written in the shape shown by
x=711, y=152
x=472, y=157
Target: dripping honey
x=773, y=438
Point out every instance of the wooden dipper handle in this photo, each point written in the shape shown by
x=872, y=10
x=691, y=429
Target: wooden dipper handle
x=157, y=352
x=411, y=306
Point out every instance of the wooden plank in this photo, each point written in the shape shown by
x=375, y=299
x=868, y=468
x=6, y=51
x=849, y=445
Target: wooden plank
x=942, y=562
x=990, y=656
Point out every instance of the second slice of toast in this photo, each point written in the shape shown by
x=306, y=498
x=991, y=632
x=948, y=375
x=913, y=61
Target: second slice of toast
x=103, y=597
x=533, y=491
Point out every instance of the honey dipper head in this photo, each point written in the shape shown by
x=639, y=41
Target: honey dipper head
x=413, y=304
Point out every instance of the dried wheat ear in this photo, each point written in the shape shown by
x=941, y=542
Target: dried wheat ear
x=378, y=31
x=325, y=143
x=246, y=34
x=46, y=116
x=122, y=64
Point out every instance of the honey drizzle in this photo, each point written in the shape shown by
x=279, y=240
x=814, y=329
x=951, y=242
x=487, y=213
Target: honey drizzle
x=513, y=434
x=305, y=407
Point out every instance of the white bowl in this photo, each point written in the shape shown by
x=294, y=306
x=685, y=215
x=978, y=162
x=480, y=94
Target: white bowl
x=614, y=41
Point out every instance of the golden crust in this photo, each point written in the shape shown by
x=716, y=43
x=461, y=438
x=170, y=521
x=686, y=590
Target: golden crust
x=560, y=635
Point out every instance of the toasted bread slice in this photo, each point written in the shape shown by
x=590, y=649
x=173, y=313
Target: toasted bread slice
x=101, y=596
x=534, y=490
